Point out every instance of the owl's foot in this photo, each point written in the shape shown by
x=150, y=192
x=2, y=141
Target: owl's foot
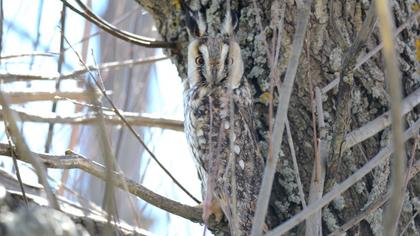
x=212, y=207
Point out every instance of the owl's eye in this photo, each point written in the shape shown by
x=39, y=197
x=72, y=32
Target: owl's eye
x=229, y=61
x=199, y=60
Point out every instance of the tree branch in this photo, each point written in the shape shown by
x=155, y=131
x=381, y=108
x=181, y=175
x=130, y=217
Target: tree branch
x=132, y=118
x=364, y=59
x=285, y=92
x=316, y=189
x=76, y=161
x=11, y=77
x=341, y=188
x=23, y=151
x=373, y=206
x=121, y=34
x=31, y=96
x=392, y=74
x=373, y=127
x=114, y=65
x=344, y=98
x=33, y=54
x=402, y=27
x=130, y=128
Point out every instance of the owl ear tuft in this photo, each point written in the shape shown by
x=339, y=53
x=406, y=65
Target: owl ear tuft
x=195, y=21
x=235, y=20
x=231, y=23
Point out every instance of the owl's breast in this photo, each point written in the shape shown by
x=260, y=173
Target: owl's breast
x=196, y=119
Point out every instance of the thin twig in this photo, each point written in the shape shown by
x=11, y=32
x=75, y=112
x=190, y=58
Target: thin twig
x=11, y=77
x=410, y=222
x=17, y=97
x=285, y=91
x=121, y=34
x=33, y=54
x=15, y=163
x=295, y=164
x=342, y=114
x=109, y=198
x=24, y=152
x=381, y=200
x=116, y=22
x=378, y=124
x=341, y=188
x=115, y=65
x=108, y=202
x=316, y=189
x=135, y=119
x=400, y=29
x=362, y=215
x=369, y=55
x=386, y=26
x=60, y=63
x=408, y=176
x=76, y=161
x=111, y=159
x=121, y=116
x=349, y=59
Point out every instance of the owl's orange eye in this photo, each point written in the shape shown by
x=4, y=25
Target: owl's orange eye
x=199, y=60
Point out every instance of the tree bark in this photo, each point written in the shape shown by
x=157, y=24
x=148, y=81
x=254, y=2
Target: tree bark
x=332, y=29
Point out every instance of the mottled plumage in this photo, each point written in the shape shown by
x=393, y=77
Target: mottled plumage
x=219, y=125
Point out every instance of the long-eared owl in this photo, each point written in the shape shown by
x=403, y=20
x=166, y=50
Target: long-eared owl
x=219, y=123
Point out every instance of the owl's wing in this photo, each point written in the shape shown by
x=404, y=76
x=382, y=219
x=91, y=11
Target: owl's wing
x=244, y=109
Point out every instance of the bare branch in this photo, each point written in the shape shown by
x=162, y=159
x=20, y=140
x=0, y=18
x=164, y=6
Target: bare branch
x=121, y=34
x=342, y=113
x=362, y=215
x=135, y=119
x=32, y=96
x=410, y=222
x=281, y=115
x=341, y=188
x=349, y=59
x=369, y=55
x=394, y=86
x=373, y=127
x=76, y=161
x=11, y=77
x=116, y=22
x=314, y=222
x=33, y=54
x=414, y=169
x=23, y=151
x=130, y=128
x=16, y=166
x=295, y=164
x=115, y=65
x=400, y=29
x=60, y=62
x=109, y=160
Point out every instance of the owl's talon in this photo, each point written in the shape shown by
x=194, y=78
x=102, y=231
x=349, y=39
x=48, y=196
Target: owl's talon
x=218, y=214
x=212, y=207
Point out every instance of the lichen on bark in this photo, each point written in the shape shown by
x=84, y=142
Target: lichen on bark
x=332, y=29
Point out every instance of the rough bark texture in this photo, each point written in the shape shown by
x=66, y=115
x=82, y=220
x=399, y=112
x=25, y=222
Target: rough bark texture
x=332, y=29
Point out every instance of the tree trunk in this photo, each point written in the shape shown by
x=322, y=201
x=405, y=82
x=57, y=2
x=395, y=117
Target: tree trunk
x=332, y=29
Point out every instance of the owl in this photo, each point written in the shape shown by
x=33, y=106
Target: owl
x=219, y=124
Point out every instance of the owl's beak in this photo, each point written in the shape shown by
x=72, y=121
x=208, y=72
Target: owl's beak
x=213, y=74
x=214, y=66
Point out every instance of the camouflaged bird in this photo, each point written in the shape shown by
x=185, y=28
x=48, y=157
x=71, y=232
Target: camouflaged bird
x=219, y=124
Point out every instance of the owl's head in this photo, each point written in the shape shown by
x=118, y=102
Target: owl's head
x=213, y=60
